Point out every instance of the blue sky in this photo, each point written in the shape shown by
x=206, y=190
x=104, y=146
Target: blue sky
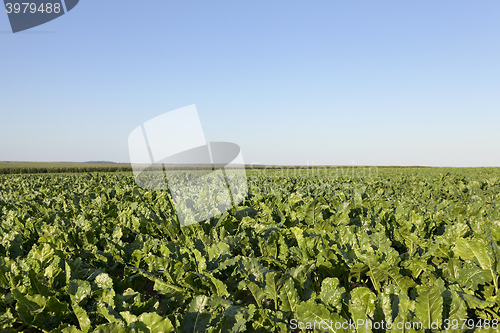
x=291, y=82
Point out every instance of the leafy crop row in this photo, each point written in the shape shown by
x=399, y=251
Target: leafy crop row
x=32, y=170
x=94, y=253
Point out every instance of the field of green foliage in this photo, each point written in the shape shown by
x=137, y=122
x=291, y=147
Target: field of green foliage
x=60, y=167
x=334, y=250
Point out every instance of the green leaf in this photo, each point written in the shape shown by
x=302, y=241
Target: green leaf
x=405, y=321
x=28, y=306
x=252, y=269
x=288, y=296
x=130, y=319
x=54, y=305
x=458, y=311
x=166, y=288
x=475, y=303
x=235, y=319
x=82, y=316
x=156, y=323
x=299, y=235
x=317, y=317
x=257, y=293
x=217, y=250
x=471, y=278
x=478, y=251
x=109, y=313
x=377, y=275
x=69, y=329
x=220, y=287
x=112, y=328
x=104, y=281
x=200, y=260
x=387, y=302
x=362, y=307
x=403, y=282
x=196, y=318
x=429, y=306
x=79, y=290
x=313, y=213
x=270, y=288
x=43, y=252
x=6, y=319
x=38, y=283
x=331, y=292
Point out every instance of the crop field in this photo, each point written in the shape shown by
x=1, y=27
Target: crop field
x=323, y=250
x=60, y=167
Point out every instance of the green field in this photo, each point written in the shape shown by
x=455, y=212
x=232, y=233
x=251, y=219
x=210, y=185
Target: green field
x=92, y=252
x=4, y=165
x=59, y=167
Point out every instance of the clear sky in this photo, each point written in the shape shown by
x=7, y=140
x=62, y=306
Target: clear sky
x=337, y=82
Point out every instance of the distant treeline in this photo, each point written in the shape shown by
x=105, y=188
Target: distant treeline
x=20, y=170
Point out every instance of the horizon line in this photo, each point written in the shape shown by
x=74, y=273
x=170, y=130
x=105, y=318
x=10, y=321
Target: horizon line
x=260, y=165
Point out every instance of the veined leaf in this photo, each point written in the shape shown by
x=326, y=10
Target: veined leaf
x=78, y=290
x=429, y=306
x=257, y=293
x=471, y=278
x=331, y=292
x=313, y=213
x=270, y=288
x=155, y=323
x=458, y=311
x=220, y=287
x=362, y=307
x=200, y=261
x=403, y=282
x=111, y=328
x=196, y=319
x=473, y=302
x=104, y=281
x=82, y=316
x=288, y=296
x=478, y=250
x=317, y=317
x=405, y=322
x=299, y=236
